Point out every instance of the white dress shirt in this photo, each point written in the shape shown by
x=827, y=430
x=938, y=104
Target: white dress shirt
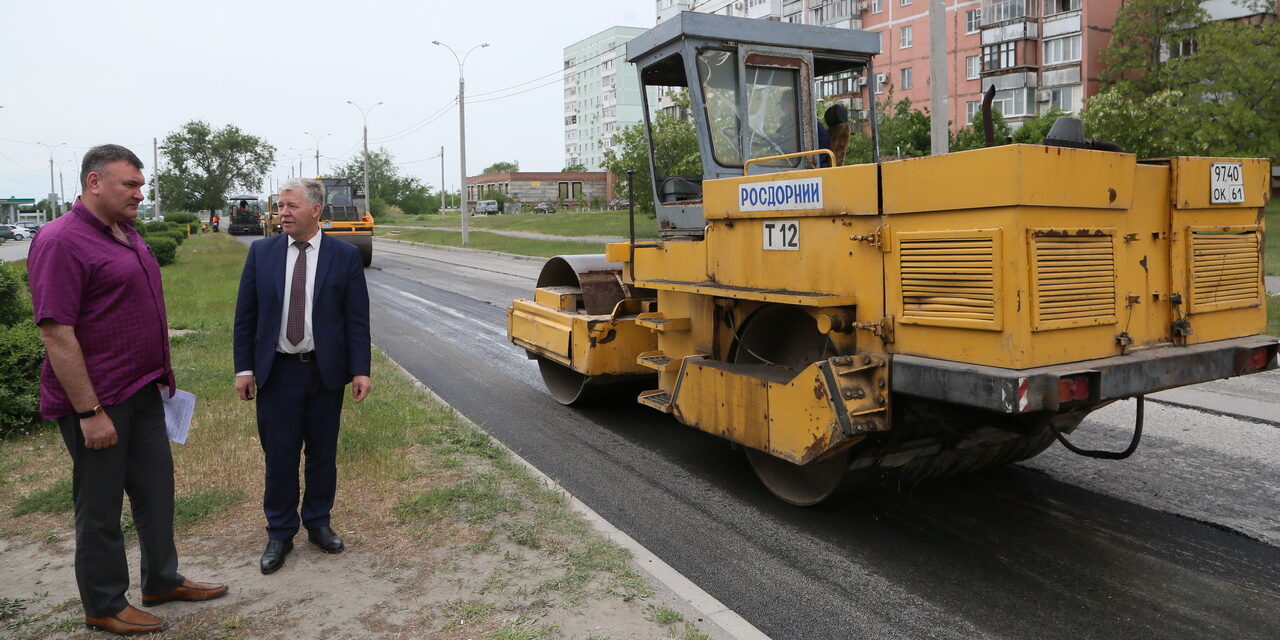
x=291, y=257
x=308, y=343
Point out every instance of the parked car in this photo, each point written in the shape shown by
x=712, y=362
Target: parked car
x=487, y=206
x=619, y=203
x=544, y=207
x=13, y=232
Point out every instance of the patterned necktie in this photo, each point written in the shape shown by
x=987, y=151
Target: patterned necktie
x=298, y=296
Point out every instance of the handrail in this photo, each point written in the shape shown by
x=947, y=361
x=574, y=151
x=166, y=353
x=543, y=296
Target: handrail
x=746, y=168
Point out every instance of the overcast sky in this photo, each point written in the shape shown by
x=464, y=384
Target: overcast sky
x=86, y=72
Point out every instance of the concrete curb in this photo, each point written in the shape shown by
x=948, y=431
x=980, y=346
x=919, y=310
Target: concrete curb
x=1219, y=404
x=711, y=609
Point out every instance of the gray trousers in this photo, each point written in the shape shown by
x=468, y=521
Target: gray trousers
x=141, y=465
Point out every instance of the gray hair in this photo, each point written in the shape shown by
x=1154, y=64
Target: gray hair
x=97, y=159
x=310, y=187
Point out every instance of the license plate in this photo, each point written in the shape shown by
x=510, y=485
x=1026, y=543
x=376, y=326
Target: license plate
x=1226, y=183
x=781, y=235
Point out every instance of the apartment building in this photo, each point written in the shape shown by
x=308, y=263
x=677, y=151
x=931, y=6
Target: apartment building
x=601, y=95
x=1038, y=54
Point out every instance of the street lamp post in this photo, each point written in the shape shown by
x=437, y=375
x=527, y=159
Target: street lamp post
x=462, y=131
x=318, y=138
x=364, y=114
x=54, y=209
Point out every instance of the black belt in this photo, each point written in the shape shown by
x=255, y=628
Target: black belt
x=306, y=356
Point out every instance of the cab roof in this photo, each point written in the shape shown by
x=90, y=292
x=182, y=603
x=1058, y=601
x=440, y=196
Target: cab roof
x=712, y=28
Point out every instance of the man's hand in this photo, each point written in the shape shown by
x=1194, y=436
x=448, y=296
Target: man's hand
x=99, y=431
x=245, y=387
x=360, y=387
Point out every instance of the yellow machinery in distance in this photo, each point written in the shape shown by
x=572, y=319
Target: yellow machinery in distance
x=346, y=215
x=912, y=318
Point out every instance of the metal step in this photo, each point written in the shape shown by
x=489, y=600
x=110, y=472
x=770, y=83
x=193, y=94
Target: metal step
x=659, y=322
x=658, y=361
x=657, y=399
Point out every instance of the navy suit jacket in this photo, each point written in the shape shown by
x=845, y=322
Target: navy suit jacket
x=339, y=310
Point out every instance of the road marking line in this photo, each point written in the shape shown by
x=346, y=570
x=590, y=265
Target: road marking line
x=712, y=609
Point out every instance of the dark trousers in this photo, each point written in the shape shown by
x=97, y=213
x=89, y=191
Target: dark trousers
x=141, y=465
x=296, y=415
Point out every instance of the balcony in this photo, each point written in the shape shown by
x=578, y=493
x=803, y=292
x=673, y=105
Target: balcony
x=999, y=12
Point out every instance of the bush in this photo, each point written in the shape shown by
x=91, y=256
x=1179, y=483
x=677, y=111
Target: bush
x=21, y=355
x=177, y=235
x=164, y=248
x=181, y=218
x=156, y=225
x=15, y=303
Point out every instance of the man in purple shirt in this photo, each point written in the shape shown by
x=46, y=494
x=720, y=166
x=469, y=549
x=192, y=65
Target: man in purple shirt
x=96, y=293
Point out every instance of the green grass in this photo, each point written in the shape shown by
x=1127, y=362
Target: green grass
x=1271, y=264
x=1273, y=315
x=54, y=499
x=494, y=242
x=562, y=223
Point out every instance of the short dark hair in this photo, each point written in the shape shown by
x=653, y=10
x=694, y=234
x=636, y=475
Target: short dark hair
x=97, y=158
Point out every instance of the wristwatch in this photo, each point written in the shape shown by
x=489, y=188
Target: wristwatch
x=97, y=408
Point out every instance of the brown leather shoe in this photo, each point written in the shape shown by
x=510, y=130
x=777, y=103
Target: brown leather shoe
x=190, y=591
x=130, y=621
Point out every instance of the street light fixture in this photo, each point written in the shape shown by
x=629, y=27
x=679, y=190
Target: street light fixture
x=364, y=115
x=318, y=138
x=462, y=131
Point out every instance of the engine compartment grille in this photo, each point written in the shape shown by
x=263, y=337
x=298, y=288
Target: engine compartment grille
x=948, y=280
x=1225, y=270
x=1075, y=278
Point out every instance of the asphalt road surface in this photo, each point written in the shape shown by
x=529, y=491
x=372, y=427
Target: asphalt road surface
x=1179, y=541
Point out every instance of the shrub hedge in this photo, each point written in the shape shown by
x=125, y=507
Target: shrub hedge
x=163, y=247
x=21, y=353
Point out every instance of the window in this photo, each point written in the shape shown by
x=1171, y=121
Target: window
x=1060, y=50
x=1054, y=7
x=876, y=7
x=795, y=18
x=1060, y=99
x=1011, y=102
x=564, y=190
x=971, y=109
x=998, y=56
x=972, y=20
x=904, y=38
x=879, y=84
x=718, y=71
x=906, y=78
x=904, y=3
x=973, y=67
x=998, y=11
x=830, y=10
x=577, y=190
x=773, y=122
x=1181, y=48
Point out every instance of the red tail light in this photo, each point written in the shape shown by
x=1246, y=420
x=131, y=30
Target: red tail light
x=1258, y=358
x=1073, y=389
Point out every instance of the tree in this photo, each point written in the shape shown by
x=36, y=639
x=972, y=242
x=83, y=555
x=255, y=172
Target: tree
x=502, y=167
x=574, y=168
x=903, y=131
x=388, y=187
x=1143, y=33
x=1219, y=96
x=204, y=165
x=974, y=137
x=675, y=145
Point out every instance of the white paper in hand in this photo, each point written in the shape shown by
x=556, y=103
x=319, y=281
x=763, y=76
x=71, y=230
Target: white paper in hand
x=177, y=413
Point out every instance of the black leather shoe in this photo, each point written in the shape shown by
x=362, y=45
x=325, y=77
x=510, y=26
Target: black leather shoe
x=273, y=556
x=326, y=538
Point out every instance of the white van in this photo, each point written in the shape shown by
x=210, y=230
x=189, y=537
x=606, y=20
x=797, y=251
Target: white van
x=487, y=206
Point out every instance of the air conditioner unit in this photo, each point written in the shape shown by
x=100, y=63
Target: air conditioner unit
x=860, y=7
x=739, y=5
x=862, y=115
x=1044, y=95
x=858, y=83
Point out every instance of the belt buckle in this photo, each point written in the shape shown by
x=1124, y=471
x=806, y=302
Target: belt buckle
x=306, y=357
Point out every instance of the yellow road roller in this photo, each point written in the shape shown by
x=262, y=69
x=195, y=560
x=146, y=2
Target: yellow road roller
x=904, y=319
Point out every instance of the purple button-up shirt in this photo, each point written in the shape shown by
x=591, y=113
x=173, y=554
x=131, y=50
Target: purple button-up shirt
x=109, y=290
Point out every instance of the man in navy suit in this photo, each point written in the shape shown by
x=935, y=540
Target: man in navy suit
x=301, y=334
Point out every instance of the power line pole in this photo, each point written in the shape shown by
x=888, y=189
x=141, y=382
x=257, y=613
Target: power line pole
x=442, y=182
x=155, y=175
x=462, y=132
x=938, y=78
x=364, y=115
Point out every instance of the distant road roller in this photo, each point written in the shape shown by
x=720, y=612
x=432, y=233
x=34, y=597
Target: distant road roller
x=903, y=319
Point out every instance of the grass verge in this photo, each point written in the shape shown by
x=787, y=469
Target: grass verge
x=425, y=500
x=494, y=242
x=563, y=223
x=1271, y=255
